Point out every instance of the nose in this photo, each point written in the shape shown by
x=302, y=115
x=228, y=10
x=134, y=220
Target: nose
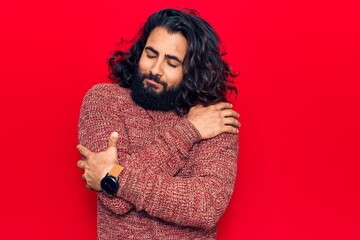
x=157, y=68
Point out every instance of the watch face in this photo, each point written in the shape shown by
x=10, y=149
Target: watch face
x=109, y=185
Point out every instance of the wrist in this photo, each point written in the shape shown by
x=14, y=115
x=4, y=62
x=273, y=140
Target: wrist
x=106, y=170
x=110, y=182
x=191, y=130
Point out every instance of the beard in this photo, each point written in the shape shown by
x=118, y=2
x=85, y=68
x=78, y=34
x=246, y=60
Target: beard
x=147, y=98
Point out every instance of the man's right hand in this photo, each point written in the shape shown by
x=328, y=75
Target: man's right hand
x=213, y=120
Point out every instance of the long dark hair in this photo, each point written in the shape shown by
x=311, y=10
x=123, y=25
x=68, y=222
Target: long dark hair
x=206, y=74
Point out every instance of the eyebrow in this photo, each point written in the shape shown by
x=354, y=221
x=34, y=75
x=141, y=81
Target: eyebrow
x=166, y=55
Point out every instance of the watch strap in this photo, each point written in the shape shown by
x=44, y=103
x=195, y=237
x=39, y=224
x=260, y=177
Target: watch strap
x=116, y=170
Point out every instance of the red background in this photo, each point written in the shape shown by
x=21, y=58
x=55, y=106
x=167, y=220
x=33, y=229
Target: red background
x=299, y=88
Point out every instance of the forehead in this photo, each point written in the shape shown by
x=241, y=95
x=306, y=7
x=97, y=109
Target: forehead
x=167, y=43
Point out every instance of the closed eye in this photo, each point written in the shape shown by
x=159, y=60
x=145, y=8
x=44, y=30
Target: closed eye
x=171, y=65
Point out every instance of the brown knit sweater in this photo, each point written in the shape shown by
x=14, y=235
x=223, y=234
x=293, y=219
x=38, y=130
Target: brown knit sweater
x=174, y=186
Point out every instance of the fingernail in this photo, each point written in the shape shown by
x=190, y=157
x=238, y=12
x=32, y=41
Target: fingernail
x=114, y=134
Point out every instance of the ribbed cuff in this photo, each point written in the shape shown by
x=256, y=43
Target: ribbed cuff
x=132, y=187
x=184, y=136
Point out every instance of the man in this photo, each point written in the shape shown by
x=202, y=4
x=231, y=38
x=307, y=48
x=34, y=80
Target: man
x=168, y=169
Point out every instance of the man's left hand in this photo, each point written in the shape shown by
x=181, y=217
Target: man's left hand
x=97, y=165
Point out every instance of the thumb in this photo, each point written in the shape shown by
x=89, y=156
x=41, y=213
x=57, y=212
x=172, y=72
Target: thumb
x=113, y=139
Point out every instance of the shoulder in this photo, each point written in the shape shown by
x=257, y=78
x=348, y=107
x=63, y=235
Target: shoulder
x=225, y=142
x=107, y=93
x=108, y=89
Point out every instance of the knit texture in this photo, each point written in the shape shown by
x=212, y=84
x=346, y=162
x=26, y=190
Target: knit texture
x=174, y=186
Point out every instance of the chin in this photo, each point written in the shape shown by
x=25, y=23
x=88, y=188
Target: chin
x=157, y=91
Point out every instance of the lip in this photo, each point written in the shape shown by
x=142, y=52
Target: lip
x=152, y=82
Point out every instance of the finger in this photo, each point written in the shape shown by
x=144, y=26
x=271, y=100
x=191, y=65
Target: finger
x=230, y=129
x=223, y=105
x=230, y=113
x=113, y=139
x=81, y=164
x=232, y=122
x=83, y=150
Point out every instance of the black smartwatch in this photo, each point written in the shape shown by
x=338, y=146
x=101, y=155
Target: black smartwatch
x=110, y=183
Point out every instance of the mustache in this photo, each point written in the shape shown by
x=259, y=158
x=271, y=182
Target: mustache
x=154, y=78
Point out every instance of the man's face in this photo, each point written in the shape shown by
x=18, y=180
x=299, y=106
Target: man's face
x=162, y=57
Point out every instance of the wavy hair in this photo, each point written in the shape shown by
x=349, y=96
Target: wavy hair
x=206, y=74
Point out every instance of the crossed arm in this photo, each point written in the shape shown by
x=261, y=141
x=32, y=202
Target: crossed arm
x=213, y=185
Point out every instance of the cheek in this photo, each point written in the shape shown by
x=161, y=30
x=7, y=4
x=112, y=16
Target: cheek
x=143, y=64
x=175, y=77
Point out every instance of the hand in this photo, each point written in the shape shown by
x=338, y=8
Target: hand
x=213, y=120
x=97, y=165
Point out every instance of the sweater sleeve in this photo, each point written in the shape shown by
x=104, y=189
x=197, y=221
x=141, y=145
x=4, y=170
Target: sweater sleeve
x=97, y=121
x=196, y=201
x=101, y=114
x=169, y=151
